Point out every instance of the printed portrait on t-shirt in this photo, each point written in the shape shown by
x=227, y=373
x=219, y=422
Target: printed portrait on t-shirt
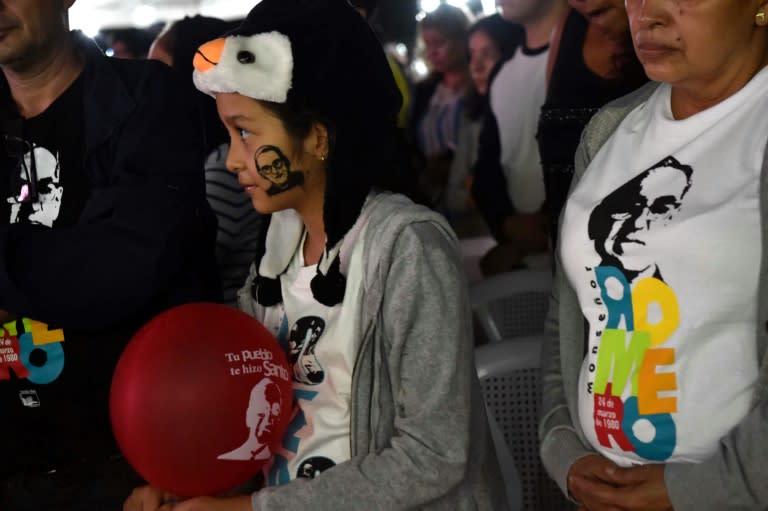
x=630, y=372
x=43, y=209
x=312, y=467
x=621, y=224
x=305, y=334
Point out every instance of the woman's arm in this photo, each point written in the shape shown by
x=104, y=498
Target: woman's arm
x=560, y=445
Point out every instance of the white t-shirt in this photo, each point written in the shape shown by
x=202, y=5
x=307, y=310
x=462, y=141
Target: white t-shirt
x=517, y=94
x=321, y=348
x=660, y=241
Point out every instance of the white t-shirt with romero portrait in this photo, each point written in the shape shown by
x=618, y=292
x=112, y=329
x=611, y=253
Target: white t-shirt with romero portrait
x=321, y=349
x=661, y=242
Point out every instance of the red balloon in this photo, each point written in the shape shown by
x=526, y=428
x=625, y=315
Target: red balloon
x=200, y=399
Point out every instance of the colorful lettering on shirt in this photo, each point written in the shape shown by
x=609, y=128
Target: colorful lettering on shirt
x=629, y=358
x=35, y=353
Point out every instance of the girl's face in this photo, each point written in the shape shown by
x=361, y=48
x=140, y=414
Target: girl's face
x=696, y=42
x=444, y=54
x=609, y=16
x=275, y=170
x=483, y=55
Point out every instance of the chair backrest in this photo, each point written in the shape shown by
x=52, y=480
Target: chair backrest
x=512, y=483
x=511, y=305
x=510, y=379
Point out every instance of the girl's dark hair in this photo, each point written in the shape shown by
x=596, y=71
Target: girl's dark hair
x=364, y=158
x=507, y=37
x=296, y=119
x=387, y=165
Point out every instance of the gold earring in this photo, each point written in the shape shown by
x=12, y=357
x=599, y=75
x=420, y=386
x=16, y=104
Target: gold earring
x=322, y=157
x=760, y=19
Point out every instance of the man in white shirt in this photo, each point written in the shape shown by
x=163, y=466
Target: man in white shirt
x=509, y=186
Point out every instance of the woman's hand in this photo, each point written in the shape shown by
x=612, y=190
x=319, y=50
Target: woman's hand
x=589, y=481
x=642, y=487
x=600, y=485
x=528, y=231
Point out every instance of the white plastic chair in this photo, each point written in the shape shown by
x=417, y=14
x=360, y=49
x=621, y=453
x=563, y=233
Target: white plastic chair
x=509, y=472
x=509, y=374
x=511, y=305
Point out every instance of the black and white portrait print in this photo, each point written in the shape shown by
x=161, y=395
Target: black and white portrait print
x=621, y=224
x=305, y=334
x=39, y=170
x=312, y=467
x=274, y=166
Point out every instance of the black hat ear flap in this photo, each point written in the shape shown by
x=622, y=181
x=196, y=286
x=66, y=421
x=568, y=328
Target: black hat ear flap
x=267, y=292
x=328, y=289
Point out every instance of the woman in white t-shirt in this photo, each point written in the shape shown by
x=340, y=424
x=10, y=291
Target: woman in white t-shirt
x=654, y=393
x=362, y=288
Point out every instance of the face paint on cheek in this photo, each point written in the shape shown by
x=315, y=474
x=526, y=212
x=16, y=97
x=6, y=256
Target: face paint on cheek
x=275, y=167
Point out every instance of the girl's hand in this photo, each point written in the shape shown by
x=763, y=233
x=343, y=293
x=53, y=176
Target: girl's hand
x=239, y=503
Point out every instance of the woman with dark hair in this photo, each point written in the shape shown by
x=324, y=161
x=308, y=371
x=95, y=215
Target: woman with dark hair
x=362, y=288
x=591, y=63
x=489, y=40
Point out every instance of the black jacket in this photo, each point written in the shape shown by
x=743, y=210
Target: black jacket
x=142, y=239
x=144, y=242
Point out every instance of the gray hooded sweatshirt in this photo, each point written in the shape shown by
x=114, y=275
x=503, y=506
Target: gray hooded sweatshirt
x=419, y=432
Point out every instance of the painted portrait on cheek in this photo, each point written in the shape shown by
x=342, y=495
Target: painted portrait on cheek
x=275, y=167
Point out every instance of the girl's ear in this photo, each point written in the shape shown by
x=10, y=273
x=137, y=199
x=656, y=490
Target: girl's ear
x=317, y=143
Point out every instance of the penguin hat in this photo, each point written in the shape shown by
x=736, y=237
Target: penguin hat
x=322, y=58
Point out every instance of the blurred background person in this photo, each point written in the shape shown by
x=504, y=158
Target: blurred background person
x=488, y=40
x=508, y=186
x=238, y=223
x=591, y=63
x=436, y=111
x=367, y=8
x=128, y=42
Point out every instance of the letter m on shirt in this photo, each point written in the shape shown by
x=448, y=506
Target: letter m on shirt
x=618, y=362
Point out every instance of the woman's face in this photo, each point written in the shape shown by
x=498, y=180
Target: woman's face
x=444, y=54
x=273, y=168
x=609, y=16
x=695, y=42
x=483, y=55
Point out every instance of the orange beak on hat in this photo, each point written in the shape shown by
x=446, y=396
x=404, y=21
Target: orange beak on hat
x=208, y=55
x=258, y=66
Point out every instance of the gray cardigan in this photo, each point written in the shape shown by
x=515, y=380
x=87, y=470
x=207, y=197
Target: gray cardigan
x=419, y=433
x=736, y=477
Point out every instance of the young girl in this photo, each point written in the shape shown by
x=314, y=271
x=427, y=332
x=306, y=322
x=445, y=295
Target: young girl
x=362, y=287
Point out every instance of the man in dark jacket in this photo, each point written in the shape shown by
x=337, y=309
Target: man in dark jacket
x=103, y=224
